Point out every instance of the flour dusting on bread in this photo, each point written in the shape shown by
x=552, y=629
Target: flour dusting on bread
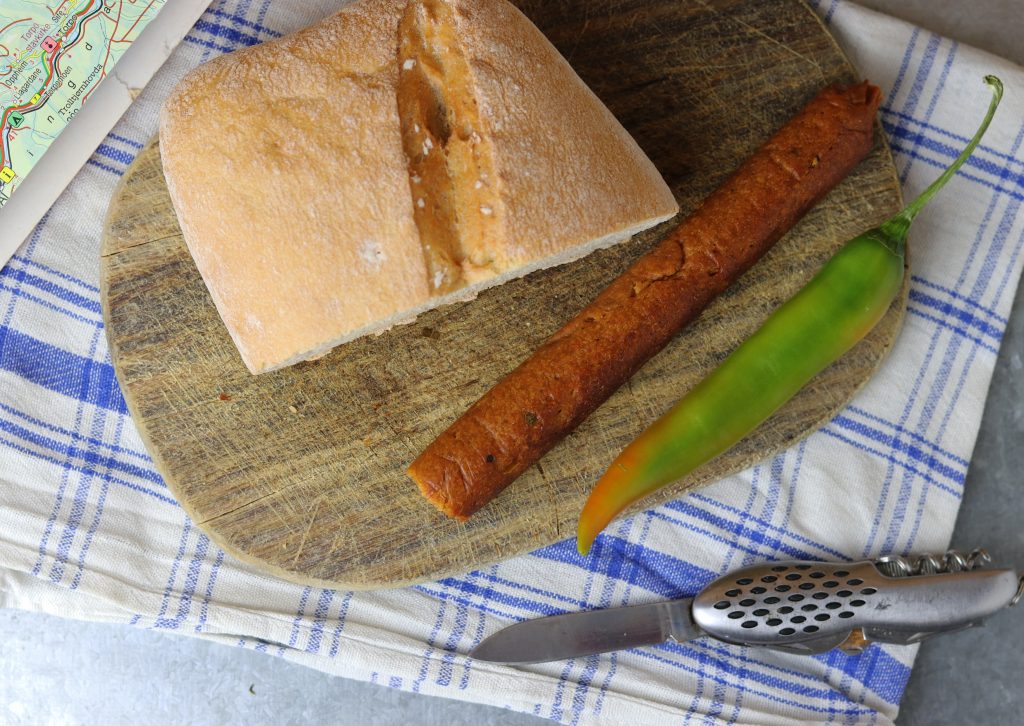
x=398, y=156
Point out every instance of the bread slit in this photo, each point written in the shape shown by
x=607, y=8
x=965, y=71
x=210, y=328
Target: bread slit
x=457, y=207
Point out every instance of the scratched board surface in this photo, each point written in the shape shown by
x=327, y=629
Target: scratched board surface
x=302, y=471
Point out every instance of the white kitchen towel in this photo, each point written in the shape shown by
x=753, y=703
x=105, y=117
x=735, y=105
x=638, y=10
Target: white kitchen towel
x=89, y=530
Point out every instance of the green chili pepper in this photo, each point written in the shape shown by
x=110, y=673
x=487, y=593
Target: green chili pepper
x=804, y=336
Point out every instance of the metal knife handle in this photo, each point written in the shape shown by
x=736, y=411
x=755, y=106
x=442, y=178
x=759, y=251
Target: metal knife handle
x=813, y=607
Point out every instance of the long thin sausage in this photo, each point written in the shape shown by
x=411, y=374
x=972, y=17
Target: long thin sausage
x=576, y=370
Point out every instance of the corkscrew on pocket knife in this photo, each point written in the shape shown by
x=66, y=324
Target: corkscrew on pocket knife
x=796, y=607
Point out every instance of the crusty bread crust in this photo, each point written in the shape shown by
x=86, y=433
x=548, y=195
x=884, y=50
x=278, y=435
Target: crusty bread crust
x=289, y=168
x=569, y=171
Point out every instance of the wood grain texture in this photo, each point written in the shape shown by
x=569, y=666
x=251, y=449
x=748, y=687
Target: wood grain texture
x=302, y=471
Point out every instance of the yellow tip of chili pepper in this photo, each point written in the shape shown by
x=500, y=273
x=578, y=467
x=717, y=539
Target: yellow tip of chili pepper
x=595, y=518
x=600, y=509
x=844, y=302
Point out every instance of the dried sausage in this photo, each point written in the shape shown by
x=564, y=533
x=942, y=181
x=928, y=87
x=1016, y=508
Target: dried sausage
x=577, y=369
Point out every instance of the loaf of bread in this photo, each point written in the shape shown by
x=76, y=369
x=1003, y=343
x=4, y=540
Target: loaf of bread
x=398, y=156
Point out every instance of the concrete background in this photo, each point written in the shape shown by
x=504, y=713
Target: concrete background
x=62, y=672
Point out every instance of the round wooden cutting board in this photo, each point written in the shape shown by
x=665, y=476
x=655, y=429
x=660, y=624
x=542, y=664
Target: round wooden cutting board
x=302, y=471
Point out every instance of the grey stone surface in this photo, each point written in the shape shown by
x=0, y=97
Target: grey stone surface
x=64, y=672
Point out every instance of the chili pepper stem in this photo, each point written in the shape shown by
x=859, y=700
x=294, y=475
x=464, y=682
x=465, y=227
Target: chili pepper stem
x=824, y=320
x=899, y=226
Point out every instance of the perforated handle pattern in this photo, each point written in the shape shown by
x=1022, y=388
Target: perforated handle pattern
x=793, y=603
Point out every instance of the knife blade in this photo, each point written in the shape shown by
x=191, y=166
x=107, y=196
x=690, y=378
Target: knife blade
x=794, y=607
x=574, y=635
